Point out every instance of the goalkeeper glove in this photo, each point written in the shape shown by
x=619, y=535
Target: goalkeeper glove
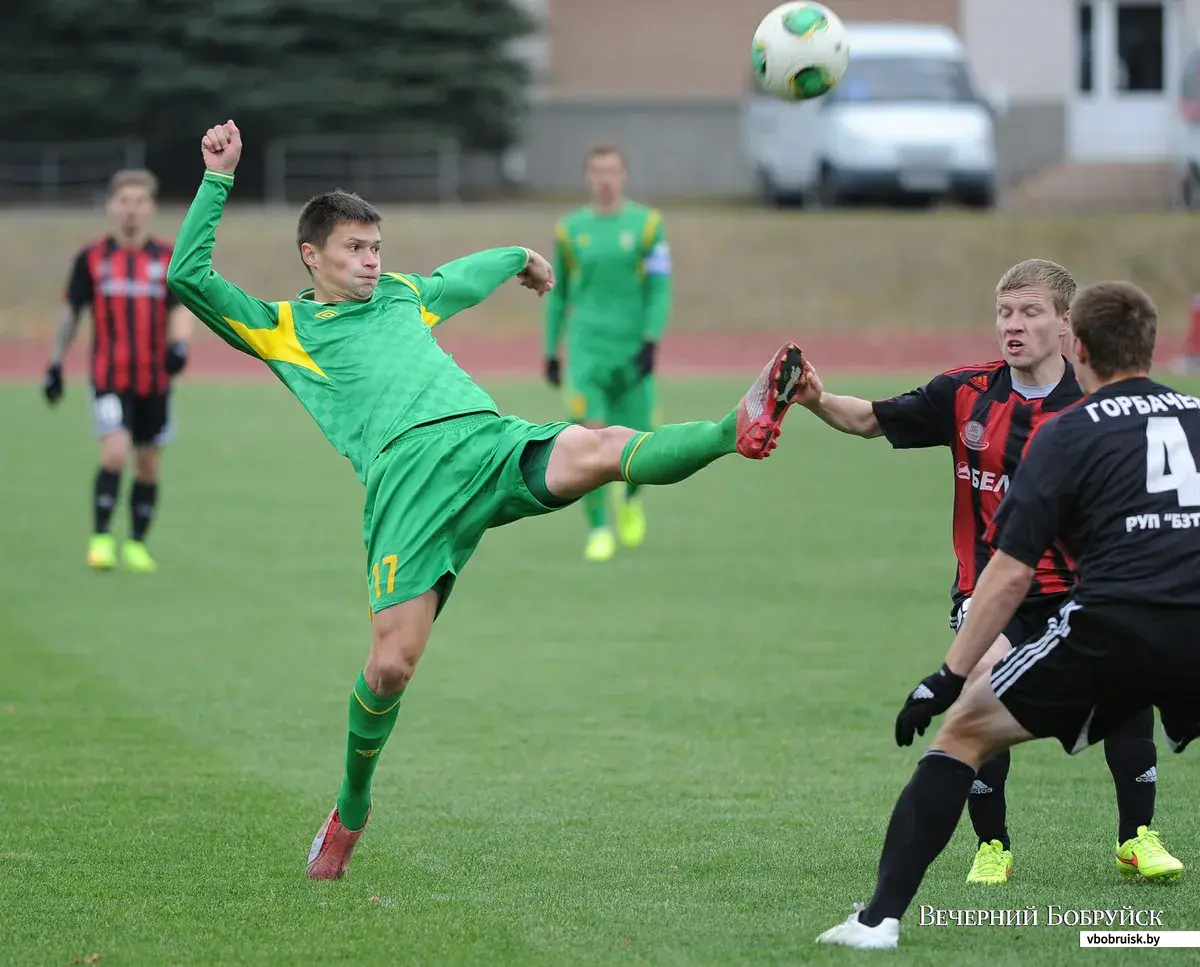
x=933, y=696
x=176, y=357
x=52, y=384
x=645, y=358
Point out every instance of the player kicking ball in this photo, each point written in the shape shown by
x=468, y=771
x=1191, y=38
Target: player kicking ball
x=1112, y=480
x=439, y=464
x=986, y=415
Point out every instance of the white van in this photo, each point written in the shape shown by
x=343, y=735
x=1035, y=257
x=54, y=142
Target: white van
x=905, y=123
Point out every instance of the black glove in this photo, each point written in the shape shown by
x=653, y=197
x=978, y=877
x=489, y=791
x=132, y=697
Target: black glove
x=933, y=696
x=52, y=385
x=553, y=371
x=645, y=359
x=176, y=357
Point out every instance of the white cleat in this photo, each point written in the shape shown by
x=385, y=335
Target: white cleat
x=851, y=933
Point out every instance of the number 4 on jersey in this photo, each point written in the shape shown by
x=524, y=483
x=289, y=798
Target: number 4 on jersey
x=1170, y=464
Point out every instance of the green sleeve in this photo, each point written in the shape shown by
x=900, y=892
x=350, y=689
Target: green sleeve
x=217, y=303
x=466, y=282
x=556, y=301
x=656, y=275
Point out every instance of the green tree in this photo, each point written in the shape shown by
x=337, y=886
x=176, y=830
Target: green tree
x=163, y=69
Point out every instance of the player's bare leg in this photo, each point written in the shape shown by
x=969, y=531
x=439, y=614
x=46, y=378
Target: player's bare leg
x=601, y=542
x=582, y=459
x=114, y=452
x=142, y=499
x=399, y=636
x=987, y=804
x=927, y=812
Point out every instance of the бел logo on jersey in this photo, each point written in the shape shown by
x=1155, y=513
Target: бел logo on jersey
x=994, y=483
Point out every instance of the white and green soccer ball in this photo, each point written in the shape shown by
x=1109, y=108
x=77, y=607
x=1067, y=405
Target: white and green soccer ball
x=800, y=51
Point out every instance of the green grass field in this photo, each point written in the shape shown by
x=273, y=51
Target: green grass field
x=681, y=757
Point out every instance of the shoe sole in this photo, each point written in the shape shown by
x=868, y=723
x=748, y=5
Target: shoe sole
x=1132, y=873
x=786, y=384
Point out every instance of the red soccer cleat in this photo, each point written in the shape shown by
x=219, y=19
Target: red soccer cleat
x=762, y=408
x=331, y=850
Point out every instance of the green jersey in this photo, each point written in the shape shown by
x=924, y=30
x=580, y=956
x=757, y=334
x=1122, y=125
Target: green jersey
x=365, y=371
x=612, y=282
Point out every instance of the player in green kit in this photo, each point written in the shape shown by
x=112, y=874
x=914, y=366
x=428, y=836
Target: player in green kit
x=613, y=299
x=439, y=464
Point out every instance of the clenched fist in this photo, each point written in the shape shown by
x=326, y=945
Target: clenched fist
x=222, y=147
x=537, y=274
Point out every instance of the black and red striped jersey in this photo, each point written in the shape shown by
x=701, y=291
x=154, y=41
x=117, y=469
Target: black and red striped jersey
x=126, y=291
x=987, y=426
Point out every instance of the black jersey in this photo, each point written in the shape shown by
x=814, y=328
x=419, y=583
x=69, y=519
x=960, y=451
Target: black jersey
x=1115, y=480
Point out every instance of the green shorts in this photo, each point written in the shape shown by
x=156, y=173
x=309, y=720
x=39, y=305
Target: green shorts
x=432, y=493
x=611, y=396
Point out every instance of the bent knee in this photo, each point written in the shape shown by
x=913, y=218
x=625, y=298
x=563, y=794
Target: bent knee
x=390, y=669
x=114, y=451
x=393, y=661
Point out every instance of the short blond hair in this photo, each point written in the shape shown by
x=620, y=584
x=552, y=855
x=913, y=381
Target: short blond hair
x=1041, y=274
x=603, y=150
x=137, y=177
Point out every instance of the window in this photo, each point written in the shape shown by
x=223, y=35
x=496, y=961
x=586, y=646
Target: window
x=904, y=79
x=1140, y=47
x=1085, y=46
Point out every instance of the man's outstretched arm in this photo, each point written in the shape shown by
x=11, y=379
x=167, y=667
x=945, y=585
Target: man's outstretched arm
x=216, y=302
x=466, y=282
x=923, y=417
x=848, y=414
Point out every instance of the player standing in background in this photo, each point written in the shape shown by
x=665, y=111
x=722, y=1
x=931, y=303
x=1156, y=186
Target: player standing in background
x=1113, y=481
x=440, y=466
x=140, y=338
x=987, y=415
x=613, y=297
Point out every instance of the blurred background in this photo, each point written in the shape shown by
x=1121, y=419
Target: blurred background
x=967, y=134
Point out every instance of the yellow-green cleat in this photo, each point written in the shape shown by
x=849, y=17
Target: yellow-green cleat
x=1145, y=856
x=136, y=558
x=601, y=545
x=102, y=552
x=631, y=521
x=993, y=864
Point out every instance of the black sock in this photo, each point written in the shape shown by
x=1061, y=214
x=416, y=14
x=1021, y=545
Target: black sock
x=104, y=499
x=986, y=803
x=1133, y=762
x=141, y=508
x=923, y=821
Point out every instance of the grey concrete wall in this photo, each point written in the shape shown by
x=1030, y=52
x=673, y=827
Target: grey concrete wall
x=1030, y=137
x=674, y=148
x=694, y=149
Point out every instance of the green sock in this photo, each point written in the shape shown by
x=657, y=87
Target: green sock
x=630, y=490
x=595, y=505
x=676, y=451
x=371, y=722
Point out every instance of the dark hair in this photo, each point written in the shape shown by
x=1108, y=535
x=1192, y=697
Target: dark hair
x=322, y=214
x=1117, y=323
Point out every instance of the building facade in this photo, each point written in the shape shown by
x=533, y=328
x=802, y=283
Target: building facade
x=1085, y=80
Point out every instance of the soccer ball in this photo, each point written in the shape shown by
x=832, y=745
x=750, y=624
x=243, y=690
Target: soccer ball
x=800, y=51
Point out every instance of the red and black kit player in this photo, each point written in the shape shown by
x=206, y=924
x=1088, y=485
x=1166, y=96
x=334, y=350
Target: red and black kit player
x=1114, y=480
x=987, y=415
x=140, y=338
